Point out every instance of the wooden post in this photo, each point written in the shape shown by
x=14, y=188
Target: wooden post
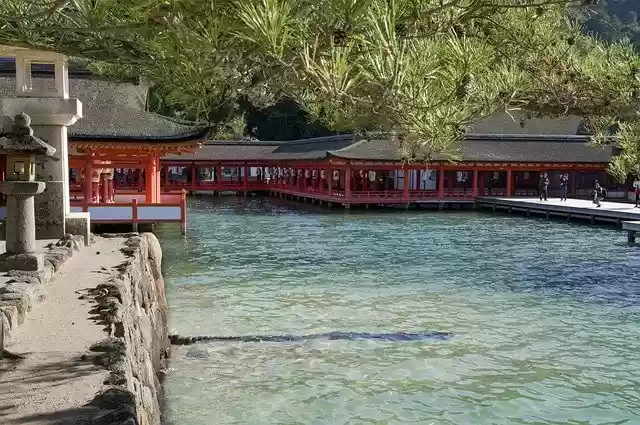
x=347, y=184
x=157, y=181
x=88, y=184
x=245, y=178
x=134, y=214
x=148, y=181
x=193, y=176
x=183, y=212
x=475, y=183
x=509, y=182
x=329, y=180
x=441, y=183
x=405, y=186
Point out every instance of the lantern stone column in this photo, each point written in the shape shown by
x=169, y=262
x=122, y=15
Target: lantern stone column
x=51, y=111
x=21, y=148
x=50, y=118
x=21, y=236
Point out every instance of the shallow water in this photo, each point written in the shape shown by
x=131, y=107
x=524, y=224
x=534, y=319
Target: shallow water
x=545, y=318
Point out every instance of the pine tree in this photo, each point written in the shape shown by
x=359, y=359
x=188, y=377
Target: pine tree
x=421, y=69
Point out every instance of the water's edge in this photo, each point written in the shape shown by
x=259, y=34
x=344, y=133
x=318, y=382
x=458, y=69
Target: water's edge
x=134, y=305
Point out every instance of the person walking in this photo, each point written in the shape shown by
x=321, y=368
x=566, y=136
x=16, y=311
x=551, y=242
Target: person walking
x=636, y=190
x=543, y=186
x=598, y=193
x=564, y=183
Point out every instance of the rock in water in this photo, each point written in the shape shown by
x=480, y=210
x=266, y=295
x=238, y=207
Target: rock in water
x=198, y=352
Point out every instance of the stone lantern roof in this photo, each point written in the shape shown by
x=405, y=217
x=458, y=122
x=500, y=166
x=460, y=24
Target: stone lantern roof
x=20, y=140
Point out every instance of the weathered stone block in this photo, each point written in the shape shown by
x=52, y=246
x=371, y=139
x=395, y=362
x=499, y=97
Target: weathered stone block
x=50, y=211
x=22, y=303
x=26, y=262
x=58, y=256
x=39, y=277
x=79, y=224
x=27, y=287
x=10, y=319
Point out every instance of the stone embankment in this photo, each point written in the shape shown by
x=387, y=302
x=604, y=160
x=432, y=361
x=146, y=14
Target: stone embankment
x=87, y=345
x=133, y=309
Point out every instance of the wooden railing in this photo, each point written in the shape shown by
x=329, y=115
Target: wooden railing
x=136, y=212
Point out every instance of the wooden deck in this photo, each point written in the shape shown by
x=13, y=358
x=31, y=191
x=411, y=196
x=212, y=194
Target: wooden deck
x=610, y=212
x=632, y=228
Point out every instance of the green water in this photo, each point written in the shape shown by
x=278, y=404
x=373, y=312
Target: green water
x=545, y=318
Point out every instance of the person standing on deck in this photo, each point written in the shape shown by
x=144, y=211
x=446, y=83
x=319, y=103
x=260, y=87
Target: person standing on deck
x=564, y=183
x=598, y=193
x=636, y=190
x=543, y=186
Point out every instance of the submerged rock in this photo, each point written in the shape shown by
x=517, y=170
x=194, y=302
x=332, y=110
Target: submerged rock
x=198, y=352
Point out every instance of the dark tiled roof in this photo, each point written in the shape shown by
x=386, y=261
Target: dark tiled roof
x=480, y=148
x=306, y=149
x=114, y=111
x=229, y=151
x=501, y=150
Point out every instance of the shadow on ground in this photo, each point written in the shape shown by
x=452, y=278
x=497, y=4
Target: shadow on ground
x=21, y=385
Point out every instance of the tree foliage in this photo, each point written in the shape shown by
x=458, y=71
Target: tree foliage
x=421, y=69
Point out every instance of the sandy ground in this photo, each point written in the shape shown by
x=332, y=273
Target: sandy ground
x=52, y=383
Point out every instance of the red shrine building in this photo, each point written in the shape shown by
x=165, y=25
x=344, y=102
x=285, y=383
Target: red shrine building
x=349, y=170
x=129, y=165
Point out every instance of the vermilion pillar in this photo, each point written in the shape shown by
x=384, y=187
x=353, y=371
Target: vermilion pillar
x=148, y=180
x=347, y=183
x=475, y=183
x=193, y=176
x=406, y=183
x=158, y=180
x=509, y=182
x=88, y=185
x=441, y=183
x=245, y=178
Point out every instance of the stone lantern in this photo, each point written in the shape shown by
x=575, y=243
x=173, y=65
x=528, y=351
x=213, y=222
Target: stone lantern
x=22, y=148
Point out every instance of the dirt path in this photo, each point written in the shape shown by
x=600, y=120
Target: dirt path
x=53, y=382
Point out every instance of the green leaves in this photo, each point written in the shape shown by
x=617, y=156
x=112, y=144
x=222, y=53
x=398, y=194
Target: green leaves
x=423, y=69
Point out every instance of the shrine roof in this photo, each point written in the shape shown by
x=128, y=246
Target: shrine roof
x=115, y=112
x=476, y=147
x=496, y=148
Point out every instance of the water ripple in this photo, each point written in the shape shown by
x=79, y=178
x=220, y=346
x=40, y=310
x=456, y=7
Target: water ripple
x=548, y=313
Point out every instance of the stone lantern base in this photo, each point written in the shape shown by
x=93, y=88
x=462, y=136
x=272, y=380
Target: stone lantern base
x=21, y=226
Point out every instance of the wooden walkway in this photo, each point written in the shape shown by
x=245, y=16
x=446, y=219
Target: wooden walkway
x=632, y=228
x=610, y=212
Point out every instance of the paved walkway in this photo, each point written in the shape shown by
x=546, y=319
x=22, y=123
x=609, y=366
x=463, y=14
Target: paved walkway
x=52, y=383
x=608, y=210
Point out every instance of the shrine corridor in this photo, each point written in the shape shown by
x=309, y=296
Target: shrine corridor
x=544, y=317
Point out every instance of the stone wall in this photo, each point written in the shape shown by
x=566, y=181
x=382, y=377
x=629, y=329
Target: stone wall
x=133, y=309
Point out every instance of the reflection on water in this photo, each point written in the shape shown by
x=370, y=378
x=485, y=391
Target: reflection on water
x=545, y=317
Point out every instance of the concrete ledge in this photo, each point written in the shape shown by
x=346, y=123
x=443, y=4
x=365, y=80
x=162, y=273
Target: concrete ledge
x=23, y=289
